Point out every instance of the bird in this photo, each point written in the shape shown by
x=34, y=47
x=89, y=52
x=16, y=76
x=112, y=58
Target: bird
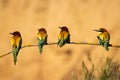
x=42, y=38
x=104, y=38
x=16, y=42
x=64, y=36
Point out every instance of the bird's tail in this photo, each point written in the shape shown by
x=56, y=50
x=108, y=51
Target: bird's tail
x=106, y=45
x=15, y=57
x=62, y=43
x=41, y=48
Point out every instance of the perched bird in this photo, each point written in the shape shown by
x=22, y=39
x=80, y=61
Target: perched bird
x=64, y=36
x=104, y=38
x=16, y=42
x=42, y=38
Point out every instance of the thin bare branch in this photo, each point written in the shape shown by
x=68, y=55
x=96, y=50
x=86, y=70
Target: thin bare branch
x=76, y=43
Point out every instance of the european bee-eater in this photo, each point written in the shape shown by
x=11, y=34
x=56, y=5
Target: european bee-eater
x=64, y=36
x=16, y=42
x=104, y=38
x=42, y=38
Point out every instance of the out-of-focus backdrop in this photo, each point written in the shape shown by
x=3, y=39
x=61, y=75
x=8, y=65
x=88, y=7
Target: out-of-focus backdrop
x=80, y=16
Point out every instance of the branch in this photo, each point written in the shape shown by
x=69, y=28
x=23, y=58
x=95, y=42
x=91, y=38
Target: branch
x=84, y=43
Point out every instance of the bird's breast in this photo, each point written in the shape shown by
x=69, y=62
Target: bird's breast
x=15, y=41
x=63, y=34
x=41, y=35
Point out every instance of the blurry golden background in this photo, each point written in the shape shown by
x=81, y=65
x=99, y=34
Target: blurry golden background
x=80, y=16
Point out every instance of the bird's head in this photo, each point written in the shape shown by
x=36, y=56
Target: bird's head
x=64, y=28
x=42, y=30
x=101, y=30
x=16, y=33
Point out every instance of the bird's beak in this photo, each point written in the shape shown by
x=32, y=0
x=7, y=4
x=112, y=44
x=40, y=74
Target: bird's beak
x=11, y=33
x=96, y=30
x=60, y=27
x=38, y=30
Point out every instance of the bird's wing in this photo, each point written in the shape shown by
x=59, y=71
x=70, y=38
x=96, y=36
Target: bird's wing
x=19, y=43
x=46, y=39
